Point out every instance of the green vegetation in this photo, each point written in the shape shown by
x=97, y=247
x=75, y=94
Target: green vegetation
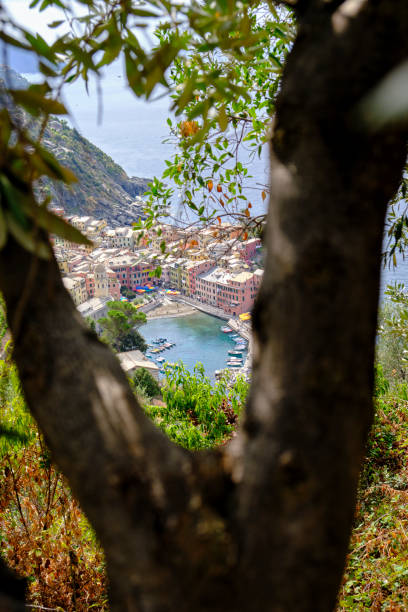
x=392, y=347
x=43, y=533
x=15, y=421
x=212, y=175
x=142, y=379
x=198, y=414
x=118, y=328
x=376, y=576
x=128, y=293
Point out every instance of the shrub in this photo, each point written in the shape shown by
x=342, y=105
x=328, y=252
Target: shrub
x=143, y=379
x=198, y=414
x=43, y=534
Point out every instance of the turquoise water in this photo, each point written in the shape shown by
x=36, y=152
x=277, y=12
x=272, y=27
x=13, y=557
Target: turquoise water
x=198, y=338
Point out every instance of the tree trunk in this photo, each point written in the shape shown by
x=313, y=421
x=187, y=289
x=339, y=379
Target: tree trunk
x=315, y=319
x=263, y=524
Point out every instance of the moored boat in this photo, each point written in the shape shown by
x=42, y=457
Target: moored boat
x=226, y=329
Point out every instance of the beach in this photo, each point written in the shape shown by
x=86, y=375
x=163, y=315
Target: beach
x=169, y=309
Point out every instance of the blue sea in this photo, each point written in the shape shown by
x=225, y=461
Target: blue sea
x=197, y=337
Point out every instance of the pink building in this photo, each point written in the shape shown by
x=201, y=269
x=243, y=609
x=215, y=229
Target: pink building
x=130, y=273
x=195, y=268
x=233, y=293
x=90, y=284
x=248, y=248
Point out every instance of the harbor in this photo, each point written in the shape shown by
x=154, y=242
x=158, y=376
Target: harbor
x=197, y=338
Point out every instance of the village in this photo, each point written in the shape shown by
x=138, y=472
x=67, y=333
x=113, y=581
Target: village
x=212, y=268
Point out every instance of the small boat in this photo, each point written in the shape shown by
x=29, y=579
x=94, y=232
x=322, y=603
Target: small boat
x=235, y=352
x=160, y=359
x=234, y=364
x=226, y=329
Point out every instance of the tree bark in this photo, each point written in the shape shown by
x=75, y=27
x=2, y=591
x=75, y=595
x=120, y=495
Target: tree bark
x=315, y=319
x=263, y=524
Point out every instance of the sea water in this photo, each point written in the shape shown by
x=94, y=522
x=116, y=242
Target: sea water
x=197, y=337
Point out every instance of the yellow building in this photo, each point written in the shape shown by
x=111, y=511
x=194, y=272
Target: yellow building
x=77, y=288
x=184, y=285
x=175, y=272
x=63, y=265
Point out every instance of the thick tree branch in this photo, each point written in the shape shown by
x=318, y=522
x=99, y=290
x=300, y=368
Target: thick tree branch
x=12, y=590
x=137, y=488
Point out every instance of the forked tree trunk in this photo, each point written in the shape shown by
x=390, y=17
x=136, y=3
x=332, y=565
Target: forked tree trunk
x=263, y=524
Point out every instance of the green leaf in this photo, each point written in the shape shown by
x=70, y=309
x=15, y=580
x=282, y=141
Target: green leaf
x=35, y=102
x=60, y=172
x=222, y=119
x=40, y=46
x=9, y=40
x=27, y=238
x=55, y=24
x=55, y=225
x=13, y=198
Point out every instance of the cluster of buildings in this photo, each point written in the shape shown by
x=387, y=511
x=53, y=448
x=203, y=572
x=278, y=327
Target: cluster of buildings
x=212, y=265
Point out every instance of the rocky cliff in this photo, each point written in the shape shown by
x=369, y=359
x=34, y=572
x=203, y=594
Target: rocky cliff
x=104, y=190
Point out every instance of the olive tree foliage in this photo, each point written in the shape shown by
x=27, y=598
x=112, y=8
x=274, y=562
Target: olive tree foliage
x=205, y=53
x=262, y=523
x=210, y=173
x=392, y=344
